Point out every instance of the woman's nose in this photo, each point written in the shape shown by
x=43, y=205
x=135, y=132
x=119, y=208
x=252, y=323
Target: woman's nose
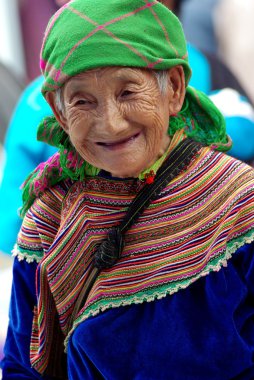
x=111, y=118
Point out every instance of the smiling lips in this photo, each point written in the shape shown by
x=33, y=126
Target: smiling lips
x=118, y=144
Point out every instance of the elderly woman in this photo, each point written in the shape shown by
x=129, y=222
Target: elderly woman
x=135, y=256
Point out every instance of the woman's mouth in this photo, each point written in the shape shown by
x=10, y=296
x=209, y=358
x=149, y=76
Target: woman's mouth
x=119, y=143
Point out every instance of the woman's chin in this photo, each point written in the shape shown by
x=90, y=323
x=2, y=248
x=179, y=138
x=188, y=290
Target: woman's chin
x=126, y=171
x=124, y=174
x=125, y=166
x=129, y=168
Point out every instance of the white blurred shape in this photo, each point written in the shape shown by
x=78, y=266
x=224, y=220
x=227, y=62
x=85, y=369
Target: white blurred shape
x=11, y=46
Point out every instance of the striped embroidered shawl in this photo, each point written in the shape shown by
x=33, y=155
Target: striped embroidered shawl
x=200, y=219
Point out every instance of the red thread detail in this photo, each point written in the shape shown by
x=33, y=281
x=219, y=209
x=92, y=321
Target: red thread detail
x=149, y=177
x=152, y=64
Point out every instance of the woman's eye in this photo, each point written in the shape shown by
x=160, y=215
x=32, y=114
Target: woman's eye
x=82, y=102
x=126, y=93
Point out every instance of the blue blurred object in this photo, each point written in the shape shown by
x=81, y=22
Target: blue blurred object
x=239, y=115
x=197, y=19
x=22, y=154
x=201, y=70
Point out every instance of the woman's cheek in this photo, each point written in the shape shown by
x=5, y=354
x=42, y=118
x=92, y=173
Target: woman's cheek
x=78, y=125
x=76, y=133
x=76, y=116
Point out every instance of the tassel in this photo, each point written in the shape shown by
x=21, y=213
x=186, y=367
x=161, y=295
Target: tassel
x=109, y=250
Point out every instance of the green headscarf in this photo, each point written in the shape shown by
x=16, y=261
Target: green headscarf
x=88, y=34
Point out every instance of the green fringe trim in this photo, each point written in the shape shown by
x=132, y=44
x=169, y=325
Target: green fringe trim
x=28, y=255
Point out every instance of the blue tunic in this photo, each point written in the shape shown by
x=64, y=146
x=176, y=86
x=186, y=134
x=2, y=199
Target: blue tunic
x=203, y=332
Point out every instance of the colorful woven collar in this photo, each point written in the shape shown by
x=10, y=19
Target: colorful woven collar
x=207, y=210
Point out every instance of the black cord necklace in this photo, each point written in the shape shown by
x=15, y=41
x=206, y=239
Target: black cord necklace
x=108, y=252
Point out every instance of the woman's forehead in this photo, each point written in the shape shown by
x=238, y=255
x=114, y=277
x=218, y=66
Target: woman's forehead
x=114, y=73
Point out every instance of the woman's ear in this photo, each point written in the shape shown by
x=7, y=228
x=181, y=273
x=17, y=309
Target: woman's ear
x=59, y=115
x=176, y=80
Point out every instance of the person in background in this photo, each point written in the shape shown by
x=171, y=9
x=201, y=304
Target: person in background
x=209, y=75
x=11, y=86
x=135, y=256
x=197, y=18
x=204, y=25
x=234, y=29
x=239, y=116
x=20, y=151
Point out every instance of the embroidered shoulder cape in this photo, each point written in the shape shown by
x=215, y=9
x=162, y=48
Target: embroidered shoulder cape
x=200, y=219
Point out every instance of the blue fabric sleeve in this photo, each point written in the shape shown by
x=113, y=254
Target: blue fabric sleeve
x=23, y=153
x=16, y=364
x=205, y=331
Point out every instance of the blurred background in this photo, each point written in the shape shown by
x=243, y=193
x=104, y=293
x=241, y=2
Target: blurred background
x=22, y=24
x=218, y=30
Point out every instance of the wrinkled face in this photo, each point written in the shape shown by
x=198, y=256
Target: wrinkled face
x=117, y=118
